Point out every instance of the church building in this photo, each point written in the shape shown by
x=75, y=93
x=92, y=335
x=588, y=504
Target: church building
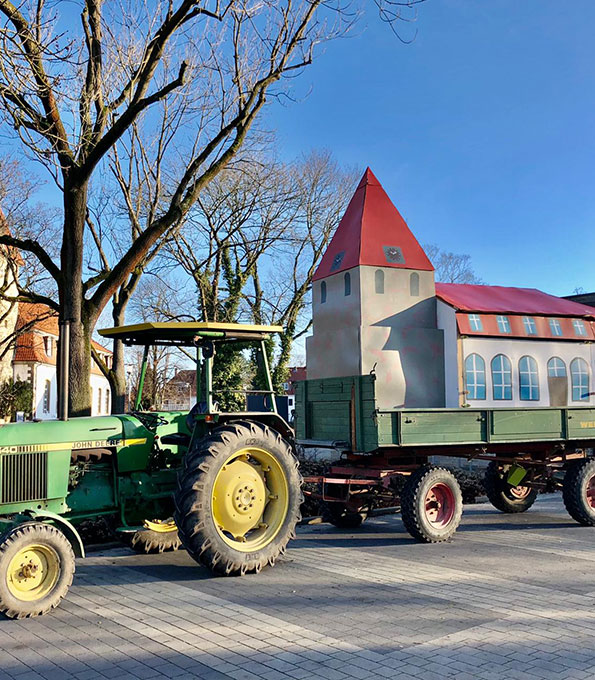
x=377, y=309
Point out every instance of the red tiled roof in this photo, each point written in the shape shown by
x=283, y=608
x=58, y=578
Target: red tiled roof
x=372, y=232
x=501, y=300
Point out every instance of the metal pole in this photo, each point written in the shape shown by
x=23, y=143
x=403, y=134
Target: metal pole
x=64, y=369
x=141, y=380
x=267, y=373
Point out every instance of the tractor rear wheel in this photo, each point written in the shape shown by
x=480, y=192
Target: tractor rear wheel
x=238, y=498
x=156, y=537
x=502, y=495
x=431, y=504
x=578, y=492
x=342, y=517
x=36, y=569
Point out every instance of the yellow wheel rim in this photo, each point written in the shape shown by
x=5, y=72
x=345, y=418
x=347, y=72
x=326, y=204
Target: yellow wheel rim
x=33, y=572
x=250, y=499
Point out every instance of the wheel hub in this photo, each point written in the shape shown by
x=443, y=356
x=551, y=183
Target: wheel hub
x=591, y=492
x=33, y=572
x=439, y=505
x=239, y=497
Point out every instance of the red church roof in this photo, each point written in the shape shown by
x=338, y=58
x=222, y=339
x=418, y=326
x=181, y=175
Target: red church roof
x=501, y=300
x=372, y=232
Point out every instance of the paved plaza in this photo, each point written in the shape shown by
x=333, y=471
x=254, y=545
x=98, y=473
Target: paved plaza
x=511, y=597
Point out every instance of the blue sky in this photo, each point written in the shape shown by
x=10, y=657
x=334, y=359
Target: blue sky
x=481, y=130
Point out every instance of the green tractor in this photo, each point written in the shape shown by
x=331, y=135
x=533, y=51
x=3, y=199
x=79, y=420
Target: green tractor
x=223, y=484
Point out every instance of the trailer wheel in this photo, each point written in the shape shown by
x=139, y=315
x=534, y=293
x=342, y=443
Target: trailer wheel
x=578, y=492
x=156, y=537
x=238, y=498
x=431, y=504
x=502, y=496
x=342, y=517
x=36, y=569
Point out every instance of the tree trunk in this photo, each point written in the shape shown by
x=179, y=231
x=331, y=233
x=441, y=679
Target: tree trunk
x=117, y=376
x=72, y=303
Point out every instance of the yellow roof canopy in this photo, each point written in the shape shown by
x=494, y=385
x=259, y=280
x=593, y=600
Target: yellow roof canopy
x=184, y=332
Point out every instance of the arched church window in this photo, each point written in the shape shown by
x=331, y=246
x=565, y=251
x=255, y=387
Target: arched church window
x=579, y=373
x=475, y=377
x=528, y=379
x=502, y=377
x=47, y=396
x=414, y=285
x=347, y=283
x=323, y=292
x=379, y=281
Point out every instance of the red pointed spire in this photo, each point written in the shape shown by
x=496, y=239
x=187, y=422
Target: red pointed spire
x=372, y=232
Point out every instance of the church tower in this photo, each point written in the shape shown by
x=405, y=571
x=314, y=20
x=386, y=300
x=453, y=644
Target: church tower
x=374, y=305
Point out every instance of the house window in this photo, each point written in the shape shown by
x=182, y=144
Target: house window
x=107, y=395
x=555, y=327
x=579, y=327
x=475, y=377
x=323, y=292
x=347, y=284
x=528, y=379
x=47, y=396
x=530, y=327
x=579, y=375
x=475, y=322
x=379, y=281
x=503, y=324
x=99, y=400
x=414, y=285
x=556, y=368
x=502, y=377
x=48, y=345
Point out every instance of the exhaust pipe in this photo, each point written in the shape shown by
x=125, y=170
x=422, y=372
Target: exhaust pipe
x=64, y=369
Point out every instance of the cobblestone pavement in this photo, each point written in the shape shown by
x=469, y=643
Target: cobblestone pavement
x=511, y=597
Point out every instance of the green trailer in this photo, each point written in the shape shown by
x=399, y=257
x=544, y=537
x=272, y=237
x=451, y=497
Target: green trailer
x=225, y=485
x=387, y=454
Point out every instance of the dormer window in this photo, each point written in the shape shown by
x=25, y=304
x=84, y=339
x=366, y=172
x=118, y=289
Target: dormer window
x=555, y=327
x=475, y=322
x=48, y=345
x=530, y=327
x=503, y=324
x=579, y=328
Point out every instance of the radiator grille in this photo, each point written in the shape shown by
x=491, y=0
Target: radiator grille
x=24, y=477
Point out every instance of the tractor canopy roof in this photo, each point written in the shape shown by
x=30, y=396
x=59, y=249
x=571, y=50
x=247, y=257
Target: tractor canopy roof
x=185, y=333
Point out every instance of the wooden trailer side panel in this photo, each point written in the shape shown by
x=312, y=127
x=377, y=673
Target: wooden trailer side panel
x=338, y=409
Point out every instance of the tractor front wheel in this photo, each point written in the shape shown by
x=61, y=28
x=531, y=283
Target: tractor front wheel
x=36, y=569
x=502, y=495
x=238, y=498
x=578, y=492
x=431, y=504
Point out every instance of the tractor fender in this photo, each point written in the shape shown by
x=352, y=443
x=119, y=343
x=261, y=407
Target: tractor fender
x=64, y=525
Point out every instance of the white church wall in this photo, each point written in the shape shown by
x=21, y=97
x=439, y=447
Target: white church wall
x=542, y=352
x=447, y=321
x=99, y=388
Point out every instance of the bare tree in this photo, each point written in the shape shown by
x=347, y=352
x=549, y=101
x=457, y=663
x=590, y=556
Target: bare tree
x=70, y=96
x=254, y=240
x=451, y=267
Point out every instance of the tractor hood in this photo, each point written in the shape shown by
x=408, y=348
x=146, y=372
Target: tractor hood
x=94, y=432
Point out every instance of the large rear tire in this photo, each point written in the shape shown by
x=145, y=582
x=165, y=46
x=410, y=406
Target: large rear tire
x=36, y=569
x=431, y=504
x=503, y=496
x=578, y=492
x=238, y=498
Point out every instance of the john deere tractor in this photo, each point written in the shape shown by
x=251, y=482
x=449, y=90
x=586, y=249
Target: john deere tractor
x=224, y=484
